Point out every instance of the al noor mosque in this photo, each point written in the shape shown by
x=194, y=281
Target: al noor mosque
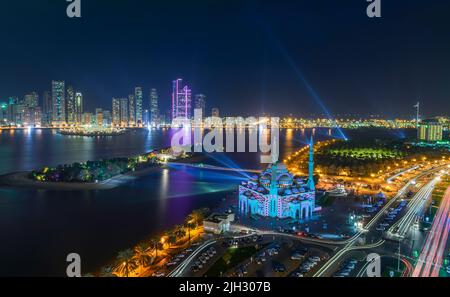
x=277, y=193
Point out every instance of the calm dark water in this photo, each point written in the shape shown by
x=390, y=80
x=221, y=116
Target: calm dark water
x=38, y=228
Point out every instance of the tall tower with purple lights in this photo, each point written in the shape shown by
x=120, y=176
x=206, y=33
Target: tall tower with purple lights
x=181, y=100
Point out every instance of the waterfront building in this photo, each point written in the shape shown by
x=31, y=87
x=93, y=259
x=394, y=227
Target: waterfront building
x=32, y=117
x=146, y=118
x=47, y=108
x=70, y=99
x=277, y=193
x=78, y=107
x=107, y=120
x=430, y=130
x=4, y=114
x=99, y=117
x=59, y=103
x=124, y=115
x=181, y=100
x=19, y=112
x=87, y=118
x=31, y=100
x=154, y=112
x=139, y=99
x=215, y=112
x=132, y=109
x=116, y=112
x=11, y=110
x=200, y=103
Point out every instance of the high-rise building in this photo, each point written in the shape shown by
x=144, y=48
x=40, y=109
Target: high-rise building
x=154, y=112
x=99, y=117
x=124, y=115
x=116, y=112
x=19, y=112
x=32, y=117
x=146, y=118
x=132, y=110
x=200, y=103
x=107, y=120
x=70, y=99
x=11, y=112
x=139, y=99
x=78, y=107
x=215, y=112
x=430, y=130
x=47, y=108
x=181, y=100
x=4, y=114
x=87, y=118
x=58, y=102
x=31, y=100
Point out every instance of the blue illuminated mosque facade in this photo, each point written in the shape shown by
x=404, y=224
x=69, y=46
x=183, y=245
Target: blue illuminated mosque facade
x=277, y=193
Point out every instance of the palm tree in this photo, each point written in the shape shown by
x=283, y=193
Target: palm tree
x=107, y=272
x=189, y=225
x=154, y=243
x=180, y=232
x=126, y=262
x=141, y=254
x=171, y=238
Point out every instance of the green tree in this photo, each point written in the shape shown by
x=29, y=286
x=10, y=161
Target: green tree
x=141, y=254
x=125, y=262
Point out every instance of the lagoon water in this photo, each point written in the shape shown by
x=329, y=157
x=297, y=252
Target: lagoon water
x=38, y=228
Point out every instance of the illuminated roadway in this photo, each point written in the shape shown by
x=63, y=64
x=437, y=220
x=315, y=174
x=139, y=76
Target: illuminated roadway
x=415, y=207
x=349, y=246
x=430, y=259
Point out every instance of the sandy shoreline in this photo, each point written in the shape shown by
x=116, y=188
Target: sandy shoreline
x=21, y=180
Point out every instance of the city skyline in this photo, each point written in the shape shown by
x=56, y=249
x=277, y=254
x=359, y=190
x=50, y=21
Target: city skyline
x=377, y=67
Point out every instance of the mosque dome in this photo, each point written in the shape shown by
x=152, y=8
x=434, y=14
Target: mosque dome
x=285, y=180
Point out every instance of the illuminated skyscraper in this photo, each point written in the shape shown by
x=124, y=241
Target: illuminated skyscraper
x=181, y=100
x=78, y=107
x=3, y=113
x=116, y=112
x=71, y=115
x=59, y=102
x=132, y=110
x=47, y=108
x=154, y=112
x=139, y=99
x=124, y=115
x=107, y=118
x=31, y=100
x=87, y=118
x=430, y=130
x=99, y=117
x=200, y=103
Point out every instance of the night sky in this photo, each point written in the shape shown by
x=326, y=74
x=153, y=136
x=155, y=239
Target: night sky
x=248, y=57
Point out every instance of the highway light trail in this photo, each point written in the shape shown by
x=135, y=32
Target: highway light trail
x=352, y=241
x=349, y=246
x=433, y=250
x=390, y=179
x=181, y=269
x=415, y=207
